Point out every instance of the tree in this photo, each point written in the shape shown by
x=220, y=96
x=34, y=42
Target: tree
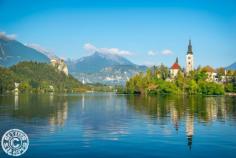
x=208, y=69
x=163, y=71
x=229, y=87
x=200, y=76
x=35, y=76
x=24, y=87
x=180, y=82
x=192, y=87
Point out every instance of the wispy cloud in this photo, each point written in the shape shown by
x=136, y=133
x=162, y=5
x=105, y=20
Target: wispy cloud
x=152, y=53
x=7, y=36
x=37, y=47
x=166, y=52
x=41, y=49
x=116, y=51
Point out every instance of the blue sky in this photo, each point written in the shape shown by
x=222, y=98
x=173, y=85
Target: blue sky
x=146, y=32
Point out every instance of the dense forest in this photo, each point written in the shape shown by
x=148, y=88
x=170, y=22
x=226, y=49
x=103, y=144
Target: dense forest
x=37, y=77
x=157, y=81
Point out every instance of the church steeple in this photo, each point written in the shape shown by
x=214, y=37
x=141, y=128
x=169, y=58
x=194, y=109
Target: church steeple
x=177, y=60
x=190, y=48
x=189, y=58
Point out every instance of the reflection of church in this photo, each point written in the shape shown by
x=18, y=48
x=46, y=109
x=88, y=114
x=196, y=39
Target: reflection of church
x=190, y=129
x=189, y=124
x=174, y=117
x=60, y=115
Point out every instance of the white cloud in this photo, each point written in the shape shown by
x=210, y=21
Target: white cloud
x=152, y=53
x=37, y=47
x=166, y=52
x=115, y=51
x=7, y=36
x=90, y=48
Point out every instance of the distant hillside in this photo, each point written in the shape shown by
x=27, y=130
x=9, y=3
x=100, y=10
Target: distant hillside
x=113, y=75
x=96, y=62
x=231, y=67
x=104, y=68
x=12, y=52
x=34, y=76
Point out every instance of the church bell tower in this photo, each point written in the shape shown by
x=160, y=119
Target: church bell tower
x=189, y=58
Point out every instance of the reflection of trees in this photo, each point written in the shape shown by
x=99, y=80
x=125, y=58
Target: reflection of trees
x=205, y=109
x=102, y=116
x=44, y=107
x=188, y=108
x=35, y=113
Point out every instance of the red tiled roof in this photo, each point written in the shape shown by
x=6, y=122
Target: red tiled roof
x=175, y=66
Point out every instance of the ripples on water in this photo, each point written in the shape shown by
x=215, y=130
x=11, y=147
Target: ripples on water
x=110, y=125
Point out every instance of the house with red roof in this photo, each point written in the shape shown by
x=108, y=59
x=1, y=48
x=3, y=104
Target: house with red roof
x=175, y=68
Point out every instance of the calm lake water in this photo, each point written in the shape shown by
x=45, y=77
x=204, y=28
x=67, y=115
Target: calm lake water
x=110, y=125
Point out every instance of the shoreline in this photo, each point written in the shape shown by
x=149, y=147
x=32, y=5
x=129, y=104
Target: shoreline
x=230, y=94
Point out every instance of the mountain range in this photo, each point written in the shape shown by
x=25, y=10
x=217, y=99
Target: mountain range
x=12, y=52
x=98, y=67
x=96, y=62
x=104, y=68
x=231, y=67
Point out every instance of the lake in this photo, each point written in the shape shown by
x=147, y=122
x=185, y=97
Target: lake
x=111, y=125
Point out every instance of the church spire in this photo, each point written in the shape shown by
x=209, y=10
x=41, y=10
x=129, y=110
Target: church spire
x=177, y=60
x=190, y=48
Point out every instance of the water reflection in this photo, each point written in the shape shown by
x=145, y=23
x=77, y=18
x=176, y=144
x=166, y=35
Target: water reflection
x=130, y=120
x=16, y=99
x=34, y=113
x=101, y=116
x=189, y=129
x=185, y=109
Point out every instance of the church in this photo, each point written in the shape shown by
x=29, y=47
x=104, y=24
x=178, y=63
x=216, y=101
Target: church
x=189, y=58
x=175, y=68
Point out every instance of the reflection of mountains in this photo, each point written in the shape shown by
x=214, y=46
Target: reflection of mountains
x=184, y=109
x=101, y=116
x=98, y=115
x=35, y=111
x=108, y=116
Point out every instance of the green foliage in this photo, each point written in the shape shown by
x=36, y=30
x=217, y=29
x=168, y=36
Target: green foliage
x=192, y=87
x=230, y=87
x=167, y=88
x=156, y=81
x=37, y=77
x=7, y=79
x=24, y=87
x=211, y=88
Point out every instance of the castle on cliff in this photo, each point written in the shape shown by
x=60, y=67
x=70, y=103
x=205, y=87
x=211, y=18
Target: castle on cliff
x=60, y=65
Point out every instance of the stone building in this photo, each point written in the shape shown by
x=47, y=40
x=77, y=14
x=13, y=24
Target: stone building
x=60, y=65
